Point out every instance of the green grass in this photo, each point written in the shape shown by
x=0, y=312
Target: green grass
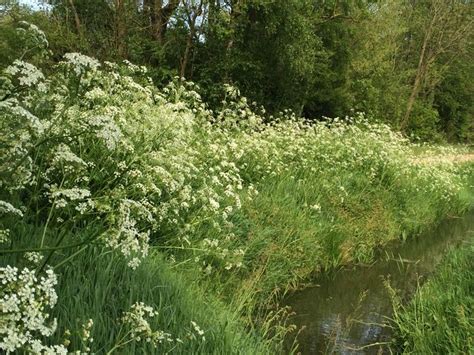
x=440, y=317
x=287, y=242
x=98, y=284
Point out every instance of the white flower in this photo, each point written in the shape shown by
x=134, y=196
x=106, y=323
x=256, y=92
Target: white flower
x=106, y=129
x=39, y=35
x=7, y=208
x=64, y=154
x=13, y=107
x=28, y=74
x=132, y=242
x=134, y=263
x=140, y=329
x=24, y=303
x=214, y=204
x=34, y=257
x=316, y=207
x=198, y=330
x=81, y=63
x=63, y=196
x=4, y=236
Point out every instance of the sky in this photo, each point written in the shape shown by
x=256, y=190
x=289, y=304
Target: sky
x=34, y=4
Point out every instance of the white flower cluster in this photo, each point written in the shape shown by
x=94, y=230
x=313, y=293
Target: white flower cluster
x=86, y=334
x=13, y=108
x=106, y=130
x=7, y=208
x=27, y=74
x=62, y=197
x=137, y=319
x=197, y=331
x=32, y=31
x=139, y=69
x=63, y=155
x=4, y=236
x=128, y=238
x=24, y=303
x=34, y=257
x=80, y=63
x=19, y=129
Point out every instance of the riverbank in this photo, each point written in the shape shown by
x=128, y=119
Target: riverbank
x=156, y=217
x=349, y=309
x=439, y=318
x=301, y=226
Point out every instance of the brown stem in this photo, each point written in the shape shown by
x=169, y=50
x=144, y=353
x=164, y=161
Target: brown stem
x=77, y=20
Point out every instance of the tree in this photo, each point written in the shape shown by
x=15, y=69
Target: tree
x=398, y=60
x=159, y=14
x=268, y=49
x=378, y=70
x=453, y=100
x=446, y=28
x=193, y=10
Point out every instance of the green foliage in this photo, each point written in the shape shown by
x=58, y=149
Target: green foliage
x=317, y=58
x=100, y=286
x=279, y=40
x=20, y=39
x=439, y=319
x=454, y=103
x=424, y=123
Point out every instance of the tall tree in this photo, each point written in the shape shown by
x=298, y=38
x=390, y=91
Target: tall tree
x=378, y=72
x=120, y=28
x=445, y=27
x=193, y=10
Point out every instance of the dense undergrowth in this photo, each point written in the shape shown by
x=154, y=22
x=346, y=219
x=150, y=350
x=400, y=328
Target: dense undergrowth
x=439, y=318
x=110, y=189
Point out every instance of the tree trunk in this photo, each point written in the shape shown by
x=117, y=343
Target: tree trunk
x=192, y=15
x=121, y=29
x=160, y=16
x=420, y=74
x=187, y=51
x=77, y=21
x=235, y=12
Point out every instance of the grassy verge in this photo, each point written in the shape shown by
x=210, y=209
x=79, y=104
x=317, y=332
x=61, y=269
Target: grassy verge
x=135, y=195
x=286, y=240
x=299, y=226
x=440, y=318
x=99, y=285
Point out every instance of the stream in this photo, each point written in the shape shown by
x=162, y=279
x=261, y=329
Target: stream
x=346, y=312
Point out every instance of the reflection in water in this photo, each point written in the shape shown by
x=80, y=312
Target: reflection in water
x=347, y=312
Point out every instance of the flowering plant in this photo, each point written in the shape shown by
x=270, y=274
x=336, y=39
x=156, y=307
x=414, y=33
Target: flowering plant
x=96, y=146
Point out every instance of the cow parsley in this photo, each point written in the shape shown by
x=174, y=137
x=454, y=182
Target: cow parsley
x=25, y=301
x=27, y=74
x=80, y=63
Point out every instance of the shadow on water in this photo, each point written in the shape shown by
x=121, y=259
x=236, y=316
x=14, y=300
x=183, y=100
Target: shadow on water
x=346, y=313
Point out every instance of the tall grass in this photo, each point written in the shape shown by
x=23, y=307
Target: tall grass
x=99, y=285
x=296, y=227
x=440, y=319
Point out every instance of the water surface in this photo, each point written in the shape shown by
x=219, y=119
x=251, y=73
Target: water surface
x=346, y=312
